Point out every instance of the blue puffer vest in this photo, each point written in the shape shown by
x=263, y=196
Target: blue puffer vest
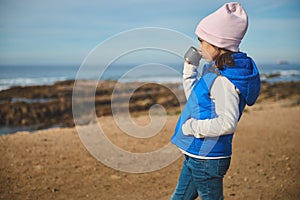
x=244, y=75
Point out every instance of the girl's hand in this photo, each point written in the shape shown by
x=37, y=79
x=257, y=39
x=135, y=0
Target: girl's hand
x=187, y=129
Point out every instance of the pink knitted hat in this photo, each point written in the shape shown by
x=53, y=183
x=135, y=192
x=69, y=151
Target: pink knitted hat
x=225, y=28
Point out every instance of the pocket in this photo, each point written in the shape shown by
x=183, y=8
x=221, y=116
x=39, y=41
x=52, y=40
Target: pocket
x=223, y=166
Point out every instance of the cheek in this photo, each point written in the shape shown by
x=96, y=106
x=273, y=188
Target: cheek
x=206, y=53
x=212, y=53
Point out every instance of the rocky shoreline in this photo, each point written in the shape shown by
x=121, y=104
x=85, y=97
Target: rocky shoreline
x=40, y=107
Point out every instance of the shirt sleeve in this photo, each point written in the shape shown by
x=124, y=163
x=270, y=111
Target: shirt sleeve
x=190, y=74
x=226, y=99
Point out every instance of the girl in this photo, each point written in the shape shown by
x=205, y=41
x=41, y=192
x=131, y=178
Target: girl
x=215, y=103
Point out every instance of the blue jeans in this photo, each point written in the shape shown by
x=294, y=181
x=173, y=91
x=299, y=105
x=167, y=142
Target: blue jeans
x=201, y=177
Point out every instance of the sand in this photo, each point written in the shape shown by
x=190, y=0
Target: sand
x=54, y=164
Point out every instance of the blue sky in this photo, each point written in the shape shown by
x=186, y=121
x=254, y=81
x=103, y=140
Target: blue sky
x=64, y=31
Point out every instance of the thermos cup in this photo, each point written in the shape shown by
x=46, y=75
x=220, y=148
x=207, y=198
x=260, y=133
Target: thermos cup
x=193, y=56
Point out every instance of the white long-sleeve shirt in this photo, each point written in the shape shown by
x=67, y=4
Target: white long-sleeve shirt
x=226, y=99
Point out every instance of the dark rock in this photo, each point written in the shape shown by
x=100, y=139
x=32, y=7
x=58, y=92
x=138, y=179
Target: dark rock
x=49, y=106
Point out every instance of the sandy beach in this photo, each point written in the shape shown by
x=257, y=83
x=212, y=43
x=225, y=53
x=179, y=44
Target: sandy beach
x=54, y=164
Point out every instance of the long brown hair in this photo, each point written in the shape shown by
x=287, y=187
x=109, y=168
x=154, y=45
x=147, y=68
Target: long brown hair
x=224, y=59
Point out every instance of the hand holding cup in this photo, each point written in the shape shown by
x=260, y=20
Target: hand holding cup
x=193, y=56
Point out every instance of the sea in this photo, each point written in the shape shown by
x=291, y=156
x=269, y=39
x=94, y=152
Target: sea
x=27, y=75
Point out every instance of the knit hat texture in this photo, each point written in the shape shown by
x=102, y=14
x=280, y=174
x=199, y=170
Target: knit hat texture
x=224, y=28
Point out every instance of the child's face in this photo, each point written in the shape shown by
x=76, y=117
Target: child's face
x=208, y=51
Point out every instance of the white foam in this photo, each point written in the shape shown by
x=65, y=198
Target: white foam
x=8, y=83
x=289, y=72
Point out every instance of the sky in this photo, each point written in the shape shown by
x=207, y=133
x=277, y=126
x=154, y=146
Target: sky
x=64, y=32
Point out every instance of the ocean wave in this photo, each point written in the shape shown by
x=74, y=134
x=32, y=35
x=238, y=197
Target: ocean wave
x=288, y=72
x=269, y=75
x=156, y=79
x=280, y=74
x=8, y=83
